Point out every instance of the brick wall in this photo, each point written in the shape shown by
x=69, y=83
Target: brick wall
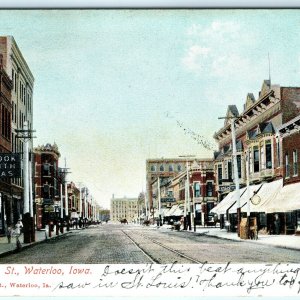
x=290, y=103
x=289, y=144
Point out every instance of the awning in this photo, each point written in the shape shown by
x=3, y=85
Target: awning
x=171, y=211
x=288, y=199
x=163, y=212
x=226, y=203
x=244, y=198
x=179, y=211
x=175, y=211
x=267, y=194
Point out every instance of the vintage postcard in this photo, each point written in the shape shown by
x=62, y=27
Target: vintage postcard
x=149, y=152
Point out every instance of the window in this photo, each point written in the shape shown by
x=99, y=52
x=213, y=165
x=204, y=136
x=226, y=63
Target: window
x=278, y=150
x=209, y=189
x=220, y=174
x=287, y=166
x=229, y=170
x=46, y=169
x=46, y=191
x=171, y=168
x=239, y=165
x=256, y=159
x=268, y=155
x=161, y=168
x=153, y=168
x=179, y=168
x=295, y=162
x=5, y=123
x=197, y=189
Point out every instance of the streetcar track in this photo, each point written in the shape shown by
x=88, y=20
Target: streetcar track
x=144, y=252
x=161, y=245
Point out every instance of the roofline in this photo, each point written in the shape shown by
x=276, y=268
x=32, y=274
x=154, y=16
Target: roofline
x=288, y=123
x=244, y=113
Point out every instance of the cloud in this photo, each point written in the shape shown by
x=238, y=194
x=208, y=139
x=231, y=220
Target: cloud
x=216, y=30
x=217, y=50
x=195, y=57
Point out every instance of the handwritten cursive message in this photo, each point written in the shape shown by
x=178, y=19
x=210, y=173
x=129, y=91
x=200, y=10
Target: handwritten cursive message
x=153, y=279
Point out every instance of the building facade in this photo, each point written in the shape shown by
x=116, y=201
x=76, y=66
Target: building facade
x=123, y=208
x=165, y=169
x=202, y=189
x=289, y=208
x=47, y=184
x=9, y=213
x=257, y=144
x=22, y=80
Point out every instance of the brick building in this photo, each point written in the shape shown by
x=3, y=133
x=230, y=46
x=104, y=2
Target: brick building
x=288, y=201
x=256, y=139
x=47, y=184
x=202, y=192
x=8, y=211
x=20, y=110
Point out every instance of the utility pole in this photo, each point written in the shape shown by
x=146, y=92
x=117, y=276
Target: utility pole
x=235, y=168
x=63, y=186
x=248, y=193
x=31, y=200
x=28, y=220
x=61, y=209
x=146, y=207
x=187, y=203
x=159, y=201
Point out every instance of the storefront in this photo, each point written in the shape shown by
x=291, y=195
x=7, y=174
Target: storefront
x=286, y=205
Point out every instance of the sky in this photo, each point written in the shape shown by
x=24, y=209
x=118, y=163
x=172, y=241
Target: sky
x=116, y=87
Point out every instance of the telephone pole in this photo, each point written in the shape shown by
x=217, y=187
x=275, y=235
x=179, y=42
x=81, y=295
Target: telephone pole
x=28, y=219
x=235, y=169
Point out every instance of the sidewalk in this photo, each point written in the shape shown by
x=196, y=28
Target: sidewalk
x=40, y=237
x=281, y=241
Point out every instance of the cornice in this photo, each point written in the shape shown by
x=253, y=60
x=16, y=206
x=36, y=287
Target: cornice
x=266, y=115
x=258, y=108
x=17, y=57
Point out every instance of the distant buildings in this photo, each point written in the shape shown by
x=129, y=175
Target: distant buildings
x=167, y=184
x=123, y=208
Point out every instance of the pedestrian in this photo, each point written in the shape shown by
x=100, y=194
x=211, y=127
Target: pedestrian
x=18, y=227
x=277, y=224
x=182, y=222
x=8, y=234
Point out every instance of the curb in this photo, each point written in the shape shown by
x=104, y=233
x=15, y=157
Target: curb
x=240, y=240
x=25, y=246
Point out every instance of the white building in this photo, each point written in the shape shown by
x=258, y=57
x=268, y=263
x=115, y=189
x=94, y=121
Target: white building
x=123, y=208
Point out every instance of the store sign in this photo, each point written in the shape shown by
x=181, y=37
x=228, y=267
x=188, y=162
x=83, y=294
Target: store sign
x=167, y=199
x=10, y=165
x=49, y=208
x=226, y=188
x=48, y=201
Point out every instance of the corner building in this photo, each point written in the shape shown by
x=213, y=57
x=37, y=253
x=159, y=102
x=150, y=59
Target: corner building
x=18, y=71
x=257, y=139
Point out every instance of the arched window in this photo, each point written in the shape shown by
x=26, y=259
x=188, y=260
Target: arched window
x=161, y=168
x=171, y=168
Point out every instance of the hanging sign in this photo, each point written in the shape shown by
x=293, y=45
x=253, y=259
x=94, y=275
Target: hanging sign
x=10, y=165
